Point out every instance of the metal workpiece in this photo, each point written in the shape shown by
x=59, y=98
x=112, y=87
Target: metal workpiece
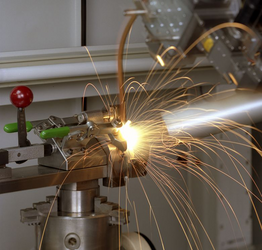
x=123, y=166
x=81, y=185
x=129, y=168
x=137, y=168
x=76, y=199
x=121, y=145
x=210, y=116
x=118, y=166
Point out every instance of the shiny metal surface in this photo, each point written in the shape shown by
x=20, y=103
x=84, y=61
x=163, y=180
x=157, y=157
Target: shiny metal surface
x=74, y=155
x=86, y=233
x=73, y=149
x=201, y=119
x=76, y=201
x=25, y=153
x=39, y=176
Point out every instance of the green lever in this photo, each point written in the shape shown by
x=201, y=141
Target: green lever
x=12, y=127
x=55, y=133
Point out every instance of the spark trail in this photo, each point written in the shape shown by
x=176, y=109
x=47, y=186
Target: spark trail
x=147, y=134
x=175, y=148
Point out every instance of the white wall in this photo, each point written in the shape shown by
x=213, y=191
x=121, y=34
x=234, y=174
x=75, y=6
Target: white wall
x=31, y=24
x=105, y=22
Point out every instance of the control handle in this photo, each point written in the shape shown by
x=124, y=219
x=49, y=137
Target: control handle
x=21, y=97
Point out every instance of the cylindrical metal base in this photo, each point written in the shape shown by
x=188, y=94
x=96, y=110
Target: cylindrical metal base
x=78, y=198
x=82, y=233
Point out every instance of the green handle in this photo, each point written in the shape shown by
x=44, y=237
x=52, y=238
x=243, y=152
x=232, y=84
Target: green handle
x=12, y=127
x=55, y=133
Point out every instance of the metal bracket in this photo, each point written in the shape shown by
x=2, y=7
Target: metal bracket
x=118, y=216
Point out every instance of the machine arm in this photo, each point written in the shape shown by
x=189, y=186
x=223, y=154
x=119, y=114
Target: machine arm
x=233, y=49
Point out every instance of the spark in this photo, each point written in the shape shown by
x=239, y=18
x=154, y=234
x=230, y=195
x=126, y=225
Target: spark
x=160, y=60
x=130, y=134
x=234, y=80
x=148, y=138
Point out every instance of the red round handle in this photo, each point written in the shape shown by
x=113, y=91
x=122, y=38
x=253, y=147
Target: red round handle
x=21, y=96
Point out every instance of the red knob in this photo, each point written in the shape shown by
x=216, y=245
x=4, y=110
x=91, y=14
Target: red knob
x=21, y=96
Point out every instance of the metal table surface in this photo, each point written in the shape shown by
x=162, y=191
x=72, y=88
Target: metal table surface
x=32, y=177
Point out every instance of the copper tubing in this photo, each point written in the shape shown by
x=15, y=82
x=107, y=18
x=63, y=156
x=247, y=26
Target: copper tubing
x=120, y=76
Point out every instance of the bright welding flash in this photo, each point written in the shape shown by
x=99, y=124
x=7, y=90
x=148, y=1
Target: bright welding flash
x=130, y=135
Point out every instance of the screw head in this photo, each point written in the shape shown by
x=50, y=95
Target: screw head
x=72, y=241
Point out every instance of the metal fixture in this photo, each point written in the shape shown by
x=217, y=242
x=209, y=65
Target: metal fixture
x=75, y=153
